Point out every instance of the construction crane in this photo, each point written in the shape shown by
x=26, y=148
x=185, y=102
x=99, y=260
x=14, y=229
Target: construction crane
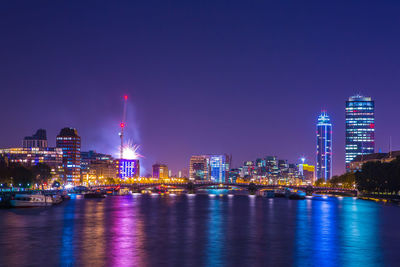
x=122, y=125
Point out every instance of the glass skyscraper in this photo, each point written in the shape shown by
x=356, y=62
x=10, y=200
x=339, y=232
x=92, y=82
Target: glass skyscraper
x=324, y=147
x=360, y=127
x=210, y=167
x=218, y=168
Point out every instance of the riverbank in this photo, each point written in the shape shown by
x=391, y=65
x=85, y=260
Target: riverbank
x=385, y=198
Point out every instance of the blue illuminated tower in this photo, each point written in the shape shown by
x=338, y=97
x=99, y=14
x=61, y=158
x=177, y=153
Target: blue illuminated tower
x=219, y=166
x=360, y=127
x=324, y=147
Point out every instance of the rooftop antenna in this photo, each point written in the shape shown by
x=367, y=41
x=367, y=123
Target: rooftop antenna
x=122, y=125
x=390, y=146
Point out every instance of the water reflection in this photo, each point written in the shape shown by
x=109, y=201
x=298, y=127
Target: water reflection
x=200, y=230
x=126, y=233
x=215, y=233
x=68, y=235
x=360, y=242
x=324, y=233
x=337, y=232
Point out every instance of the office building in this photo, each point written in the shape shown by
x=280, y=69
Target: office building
x=199, y=168
x=39, y=139
x=128, y=168
x=29, y=157
x=209, y=168
x=70, y=143
x=96, y=168
x=307, y=172
x=160, y=171
x=219, y=166
x=360, y=127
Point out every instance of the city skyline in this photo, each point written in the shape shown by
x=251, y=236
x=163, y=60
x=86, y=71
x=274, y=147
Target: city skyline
x=148, y=170
x=198, y=85
x=199, y=133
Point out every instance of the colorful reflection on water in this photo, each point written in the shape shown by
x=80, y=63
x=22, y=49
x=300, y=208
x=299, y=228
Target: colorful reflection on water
x=202, y=230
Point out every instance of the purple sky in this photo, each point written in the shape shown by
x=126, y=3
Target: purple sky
x=248, y=78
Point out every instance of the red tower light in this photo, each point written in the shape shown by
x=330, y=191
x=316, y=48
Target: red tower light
x=125, y=97
x=122, y=125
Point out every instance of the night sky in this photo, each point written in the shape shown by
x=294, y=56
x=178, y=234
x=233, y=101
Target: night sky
x=247, y=78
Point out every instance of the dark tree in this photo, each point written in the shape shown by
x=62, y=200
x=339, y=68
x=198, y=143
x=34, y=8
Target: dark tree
x=21, y=176
x=41, y=173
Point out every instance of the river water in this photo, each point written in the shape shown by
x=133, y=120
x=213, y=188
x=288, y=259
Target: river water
x=202, y=230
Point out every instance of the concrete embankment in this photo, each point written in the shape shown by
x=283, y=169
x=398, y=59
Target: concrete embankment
x=392, y=198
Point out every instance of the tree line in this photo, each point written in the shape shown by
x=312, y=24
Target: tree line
x=347, y=180
x=382, y=177
x=18, y=175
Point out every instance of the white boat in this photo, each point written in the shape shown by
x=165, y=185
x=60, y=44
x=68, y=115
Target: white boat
x=26, y=201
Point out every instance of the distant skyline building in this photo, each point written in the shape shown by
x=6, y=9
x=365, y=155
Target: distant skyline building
x=307, y=172
x=70, y=143
x=160, y=171
x=360, y=127
x=324, y=147
x=97, y=167
x=199, y=167
x=219, y=167
x=209, y=167
x=39, y=139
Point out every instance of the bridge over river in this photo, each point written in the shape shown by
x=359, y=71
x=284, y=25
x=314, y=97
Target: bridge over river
x=251, y=187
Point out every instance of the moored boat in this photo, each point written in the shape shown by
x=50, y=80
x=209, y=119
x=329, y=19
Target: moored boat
x=295, y=194
x=267, y=193
x=279, y=193
x=94, y=195
x=57, y=199
x=27, y=201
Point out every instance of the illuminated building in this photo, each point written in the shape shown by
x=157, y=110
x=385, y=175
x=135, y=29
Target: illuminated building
x=160, y=171
x=39, y=139
x=70, y=143
x=97, y=167
x=233, y=175
x=248, y=169
x=128, y=168
x=269, y=170
x=307, y=172
x=209, y=167
x=324, y=147
x=199, y=168
x=272, y=168
x=261, y=163
x=219, y=166
x=283, y=167
x=360, y=127
x=31, y=156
